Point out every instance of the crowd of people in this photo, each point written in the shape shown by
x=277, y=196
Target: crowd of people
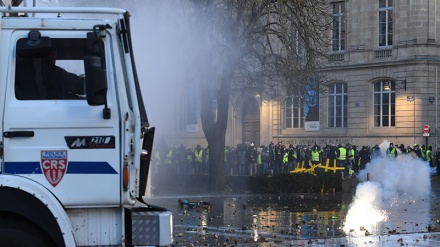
x=246, y=159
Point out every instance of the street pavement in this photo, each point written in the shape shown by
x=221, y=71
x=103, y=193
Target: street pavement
x=299, y=220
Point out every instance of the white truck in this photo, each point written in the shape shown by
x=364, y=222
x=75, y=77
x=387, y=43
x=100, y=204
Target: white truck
x=76, y=143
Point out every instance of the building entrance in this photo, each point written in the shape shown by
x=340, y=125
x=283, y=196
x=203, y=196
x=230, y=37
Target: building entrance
x=251, y=122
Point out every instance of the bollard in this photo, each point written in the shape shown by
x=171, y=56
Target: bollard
x=368, y=176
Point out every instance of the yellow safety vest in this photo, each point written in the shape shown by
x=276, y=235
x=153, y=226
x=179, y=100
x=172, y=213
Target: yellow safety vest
x=198, y=157
x=315, y=155
x=286, y=157
x=294, y=155
x=351, y=154
x=342, y=153
x=392, y=153
x=259, y=162
x=428, y=156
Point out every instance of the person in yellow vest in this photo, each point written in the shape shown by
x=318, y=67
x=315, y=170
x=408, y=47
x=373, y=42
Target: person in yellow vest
x=430, y=157
x=315, y=156
x=341, y=157
x=391, y=151
x=197, y=159
x=284, y=167
x=259, y=161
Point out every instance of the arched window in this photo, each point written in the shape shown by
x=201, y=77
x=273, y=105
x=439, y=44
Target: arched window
x=337, y=105
x=384, y=104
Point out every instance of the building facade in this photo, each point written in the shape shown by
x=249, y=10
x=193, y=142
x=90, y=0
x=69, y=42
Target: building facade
x=382, y=86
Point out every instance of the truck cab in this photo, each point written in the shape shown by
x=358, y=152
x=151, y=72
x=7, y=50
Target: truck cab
x=76, y=141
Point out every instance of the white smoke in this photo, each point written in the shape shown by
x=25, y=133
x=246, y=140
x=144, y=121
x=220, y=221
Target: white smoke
x=390, y=181
x=365, y=212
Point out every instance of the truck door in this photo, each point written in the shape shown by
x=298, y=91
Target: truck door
x=51, y=134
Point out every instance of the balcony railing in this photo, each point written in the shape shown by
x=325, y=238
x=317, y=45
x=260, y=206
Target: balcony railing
x=337, y=57
x=383, y=53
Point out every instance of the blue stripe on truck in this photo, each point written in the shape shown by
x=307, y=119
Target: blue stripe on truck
x=73, y=167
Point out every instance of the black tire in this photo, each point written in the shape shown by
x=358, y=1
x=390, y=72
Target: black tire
x=19, y=232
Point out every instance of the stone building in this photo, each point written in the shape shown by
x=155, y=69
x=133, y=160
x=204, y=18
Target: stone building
x=383, y=86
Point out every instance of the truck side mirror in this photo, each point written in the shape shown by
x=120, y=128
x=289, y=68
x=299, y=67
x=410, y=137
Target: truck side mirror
x=96, y=81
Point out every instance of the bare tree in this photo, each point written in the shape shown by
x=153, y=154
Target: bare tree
x=258, y=44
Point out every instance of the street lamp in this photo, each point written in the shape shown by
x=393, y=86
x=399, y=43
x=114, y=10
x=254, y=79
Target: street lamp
x=397, y=83
x=409, y=99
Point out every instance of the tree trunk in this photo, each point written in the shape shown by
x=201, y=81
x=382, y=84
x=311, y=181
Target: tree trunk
x=214, y=127
x=216, y=164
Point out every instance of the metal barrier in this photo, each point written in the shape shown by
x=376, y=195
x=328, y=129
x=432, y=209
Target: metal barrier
x=311, y=170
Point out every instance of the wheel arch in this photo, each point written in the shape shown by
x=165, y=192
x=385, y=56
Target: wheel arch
x=34, y=202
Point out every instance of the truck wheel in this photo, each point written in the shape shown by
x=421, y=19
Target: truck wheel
x=16, y=231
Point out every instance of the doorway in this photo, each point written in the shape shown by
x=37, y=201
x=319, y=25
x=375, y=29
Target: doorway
x=251, y=122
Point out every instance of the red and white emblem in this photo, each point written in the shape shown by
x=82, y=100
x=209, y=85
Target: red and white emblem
x=54, y=165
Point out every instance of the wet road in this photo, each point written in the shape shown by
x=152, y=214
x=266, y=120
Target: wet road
x=300, y=219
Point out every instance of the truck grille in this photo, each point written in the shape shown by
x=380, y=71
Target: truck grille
x=148, y=226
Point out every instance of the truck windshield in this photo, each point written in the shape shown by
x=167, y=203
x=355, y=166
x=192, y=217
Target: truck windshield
x=57, y=74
